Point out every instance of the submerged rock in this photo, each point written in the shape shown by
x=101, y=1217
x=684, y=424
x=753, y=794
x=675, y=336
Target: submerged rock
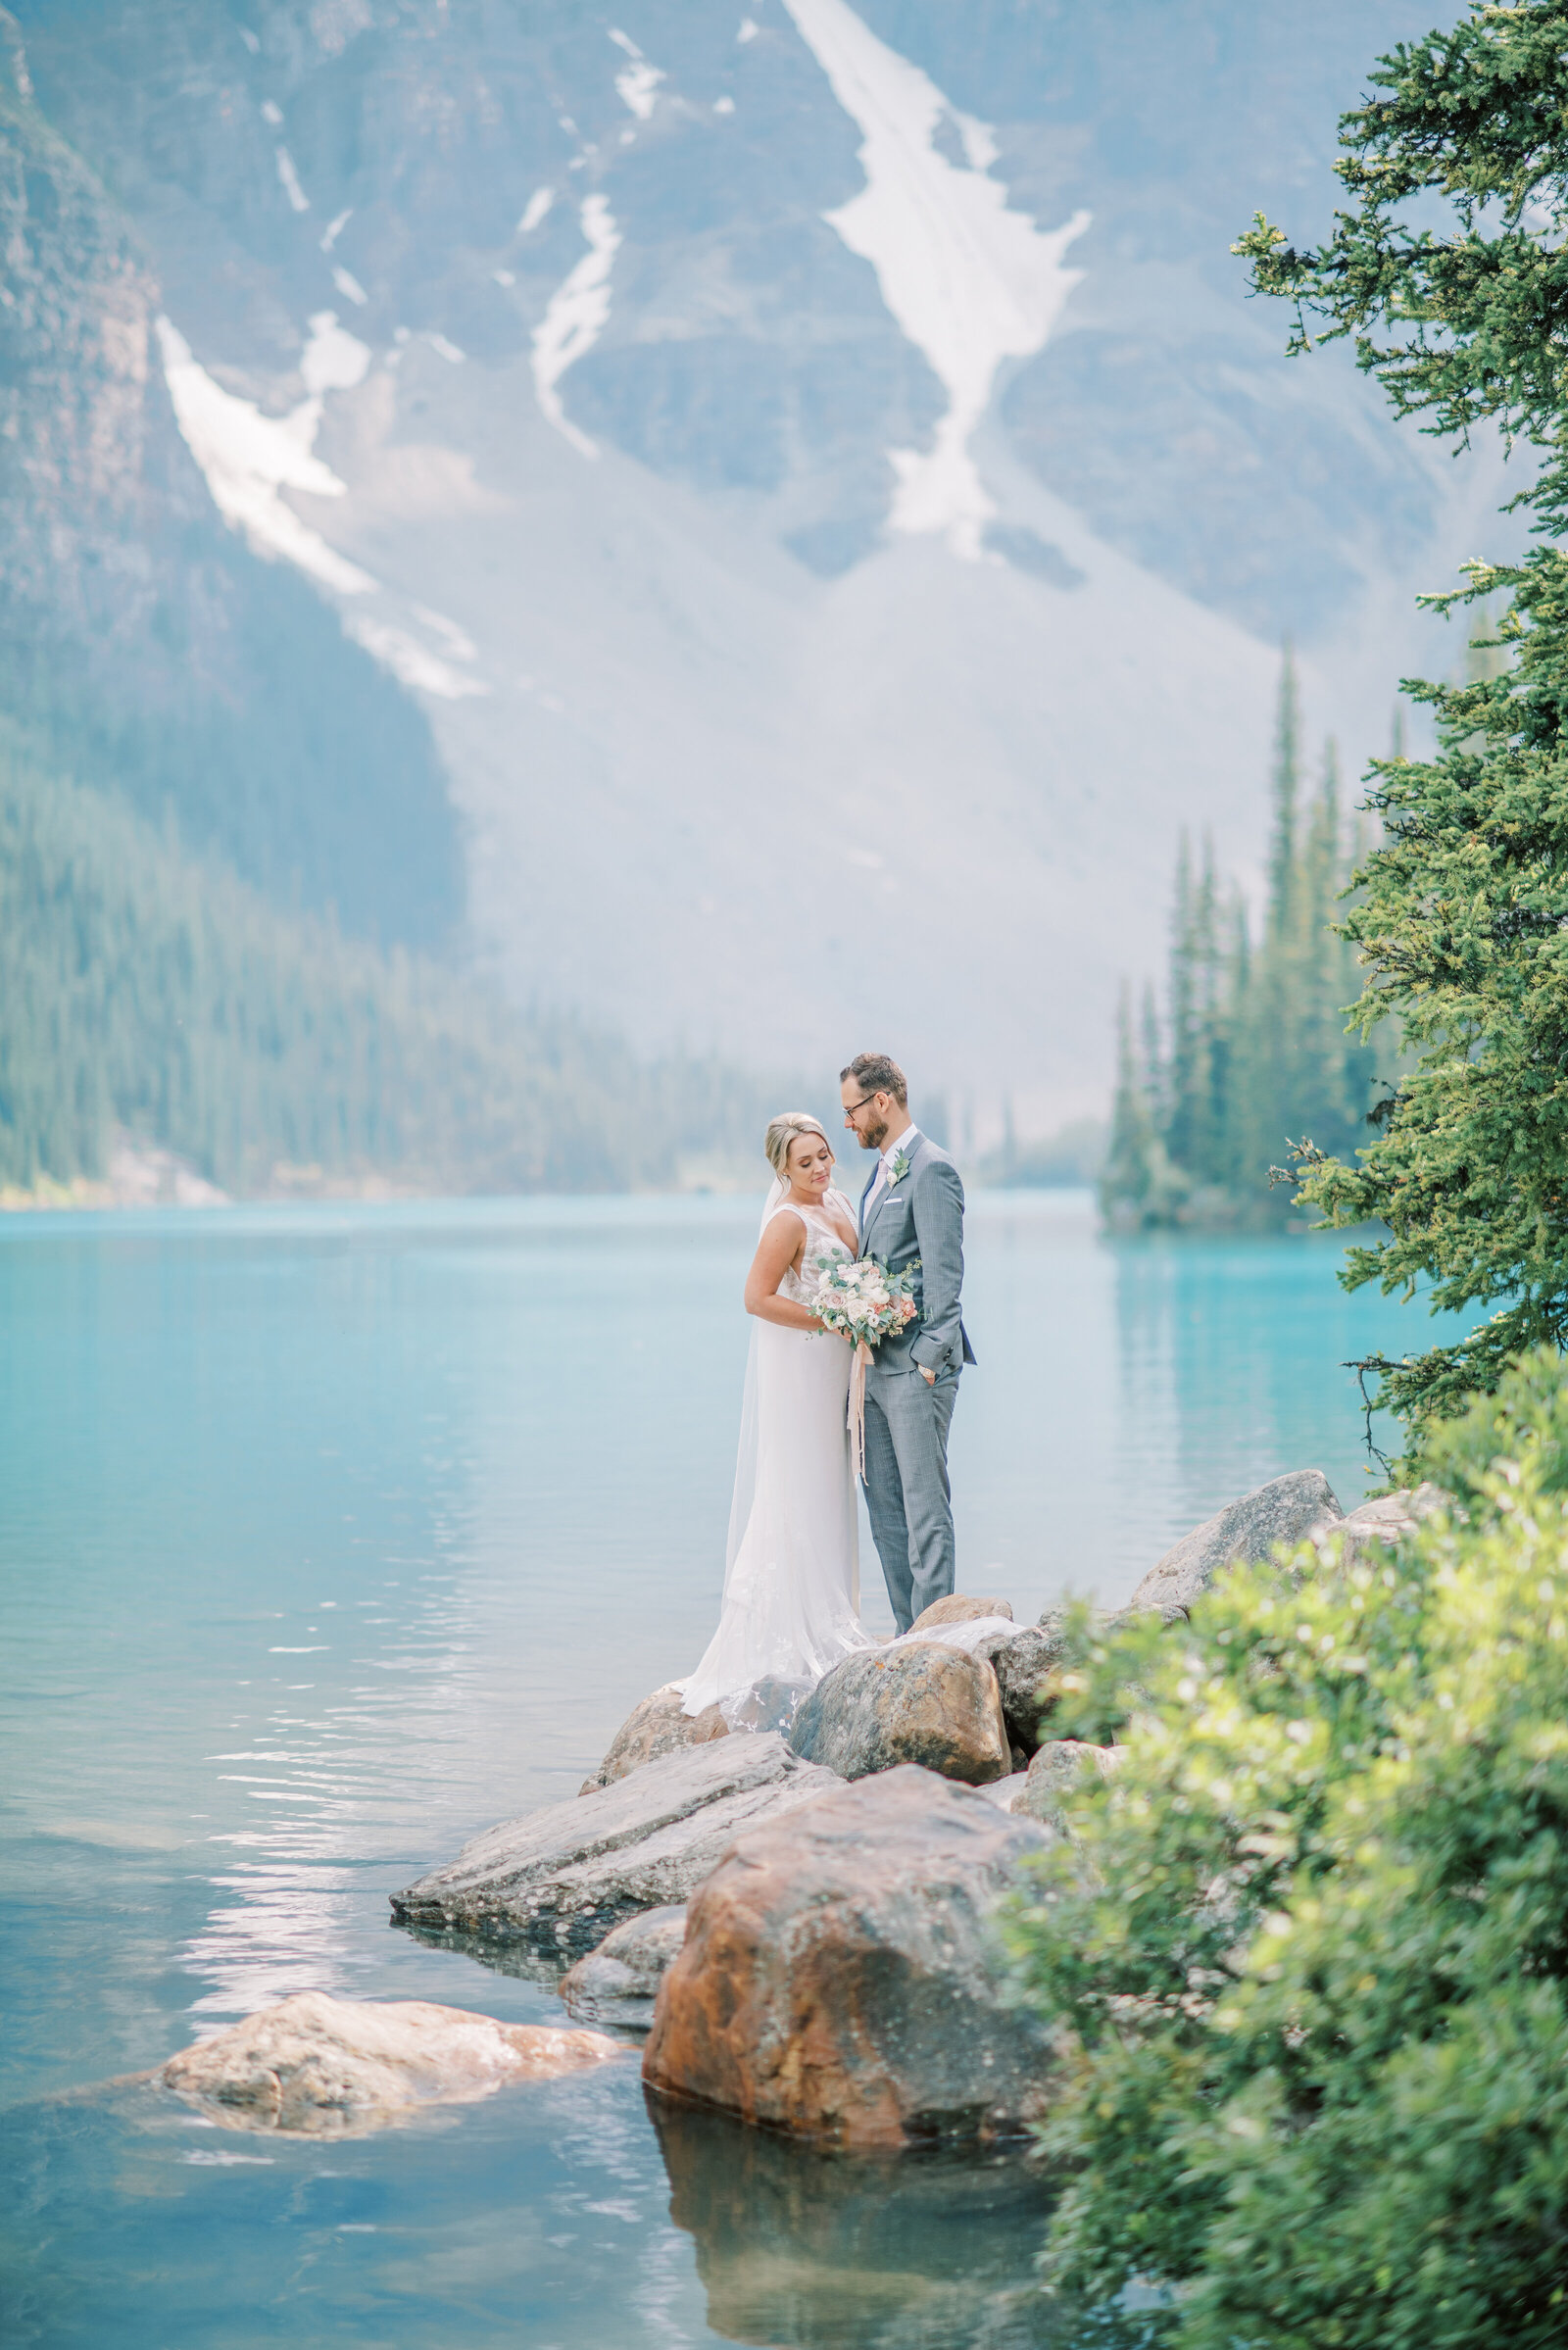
x=839, y=1978
x=923, y=1703
x=955, y=1609
x=570, y=1873
x=1291, y=1509
x=653, y=1728
x=326, y=2066
x=616, y=1982
x=1057, y=1768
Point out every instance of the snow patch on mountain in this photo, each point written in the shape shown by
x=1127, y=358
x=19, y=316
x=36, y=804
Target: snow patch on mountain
x=250, y=458
x=332, y=361
x=289, y=180
x=638, y=86
x=575, y=317
x=969, y=281
x=415, y=663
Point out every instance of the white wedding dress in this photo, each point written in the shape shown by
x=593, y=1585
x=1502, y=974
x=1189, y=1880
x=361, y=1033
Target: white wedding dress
x=791, y=1587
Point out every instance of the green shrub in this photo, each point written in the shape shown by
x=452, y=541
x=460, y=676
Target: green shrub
x=1307, y=1952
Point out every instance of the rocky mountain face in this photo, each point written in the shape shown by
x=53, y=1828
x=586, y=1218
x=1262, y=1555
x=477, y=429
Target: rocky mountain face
x=816, y=467
x=140, y=639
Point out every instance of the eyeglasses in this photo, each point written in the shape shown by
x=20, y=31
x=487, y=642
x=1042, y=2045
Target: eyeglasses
x=850, y=1108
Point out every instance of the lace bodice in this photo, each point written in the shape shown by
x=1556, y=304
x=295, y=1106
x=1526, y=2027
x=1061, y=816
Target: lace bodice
x=821, y=1240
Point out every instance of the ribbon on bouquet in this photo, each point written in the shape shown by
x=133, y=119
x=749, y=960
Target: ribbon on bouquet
x=855, y=1419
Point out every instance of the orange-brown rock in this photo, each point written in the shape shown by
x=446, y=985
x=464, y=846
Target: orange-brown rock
x=923, y=1703
x=656, y=1726
x=955, y=1609
x=326, y=2066
x=839, y=1973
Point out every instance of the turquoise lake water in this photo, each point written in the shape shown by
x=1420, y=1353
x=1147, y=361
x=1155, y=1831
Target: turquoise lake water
x=331, y=1535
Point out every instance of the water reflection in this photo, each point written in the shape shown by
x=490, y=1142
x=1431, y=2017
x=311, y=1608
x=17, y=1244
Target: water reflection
x=520, y=1959
x=799, y=2250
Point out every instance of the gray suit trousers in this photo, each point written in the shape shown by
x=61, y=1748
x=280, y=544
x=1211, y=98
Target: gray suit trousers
x=906, y=1492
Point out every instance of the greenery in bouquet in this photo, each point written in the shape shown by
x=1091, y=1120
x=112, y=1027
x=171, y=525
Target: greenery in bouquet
x=1307, y=1953
x=863, y=1300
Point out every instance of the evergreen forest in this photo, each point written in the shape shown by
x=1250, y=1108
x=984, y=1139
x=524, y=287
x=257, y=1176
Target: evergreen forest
x=148, y=987
x=1248, y=1056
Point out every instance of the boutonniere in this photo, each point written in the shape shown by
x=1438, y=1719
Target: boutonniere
x=898, y=1167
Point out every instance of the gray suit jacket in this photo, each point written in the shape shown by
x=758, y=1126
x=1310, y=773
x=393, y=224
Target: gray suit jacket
x=921, y=1216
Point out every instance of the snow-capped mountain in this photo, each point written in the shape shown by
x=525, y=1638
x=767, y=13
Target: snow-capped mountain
x=817, y=466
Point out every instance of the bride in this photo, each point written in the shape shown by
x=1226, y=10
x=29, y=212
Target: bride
x=792, y=1585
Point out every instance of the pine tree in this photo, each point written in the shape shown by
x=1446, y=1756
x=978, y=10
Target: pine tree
x=1285, y=788
x=144, y=987
x=1464, y=906
x=1258, y=1057
x=1137, y=1186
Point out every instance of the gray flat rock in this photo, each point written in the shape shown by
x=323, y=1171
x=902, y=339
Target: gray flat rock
x=567, y=1873
x=1290, y=1509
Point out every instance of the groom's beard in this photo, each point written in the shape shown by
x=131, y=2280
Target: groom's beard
x=873, y=1134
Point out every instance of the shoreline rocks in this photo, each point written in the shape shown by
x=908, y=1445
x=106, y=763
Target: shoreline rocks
x=1059, y=1766
x=1386, y=1520
x=618, y=1983
x=839, y=1979
x=570, y=1873
x=1022, y=1667
x=319, y=2067
x=1289, y=1509
x=923, y=1703
x=957, y=1609
x=804, y=1921
x=655, y=1726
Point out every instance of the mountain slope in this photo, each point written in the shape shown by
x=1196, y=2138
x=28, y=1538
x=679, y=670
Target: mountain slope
x=144, y=642
x=143, y=988
x=817, y=464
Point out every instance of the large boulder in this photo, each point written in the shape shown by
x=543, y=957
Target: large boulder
x=324, y=2067
x=570, y=1873
x=922, y=1702
x=955, y=1609
x=617, y=1984
x=1058, y=1768
x=653, y=1728
x=839, y=1978
x=1291, y=1509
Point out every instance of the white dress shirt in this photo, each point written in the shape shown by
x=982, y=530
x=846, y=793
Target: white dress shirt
x=884, y=1172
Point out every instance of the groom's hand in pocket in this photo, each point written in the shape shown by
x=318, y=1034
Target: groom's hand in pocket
x=929, y=1377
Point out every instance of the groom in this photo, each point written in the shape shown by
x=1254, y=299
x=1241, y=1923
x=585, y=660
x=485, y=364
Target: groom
x=911, y=1210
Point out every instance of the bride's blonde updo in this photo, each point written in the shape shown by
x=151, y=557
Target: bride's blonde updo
x=783, y=1130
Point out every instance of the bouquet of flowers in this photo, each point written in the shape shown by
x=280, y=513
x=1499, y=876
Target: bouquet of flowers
x=864, y=1301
